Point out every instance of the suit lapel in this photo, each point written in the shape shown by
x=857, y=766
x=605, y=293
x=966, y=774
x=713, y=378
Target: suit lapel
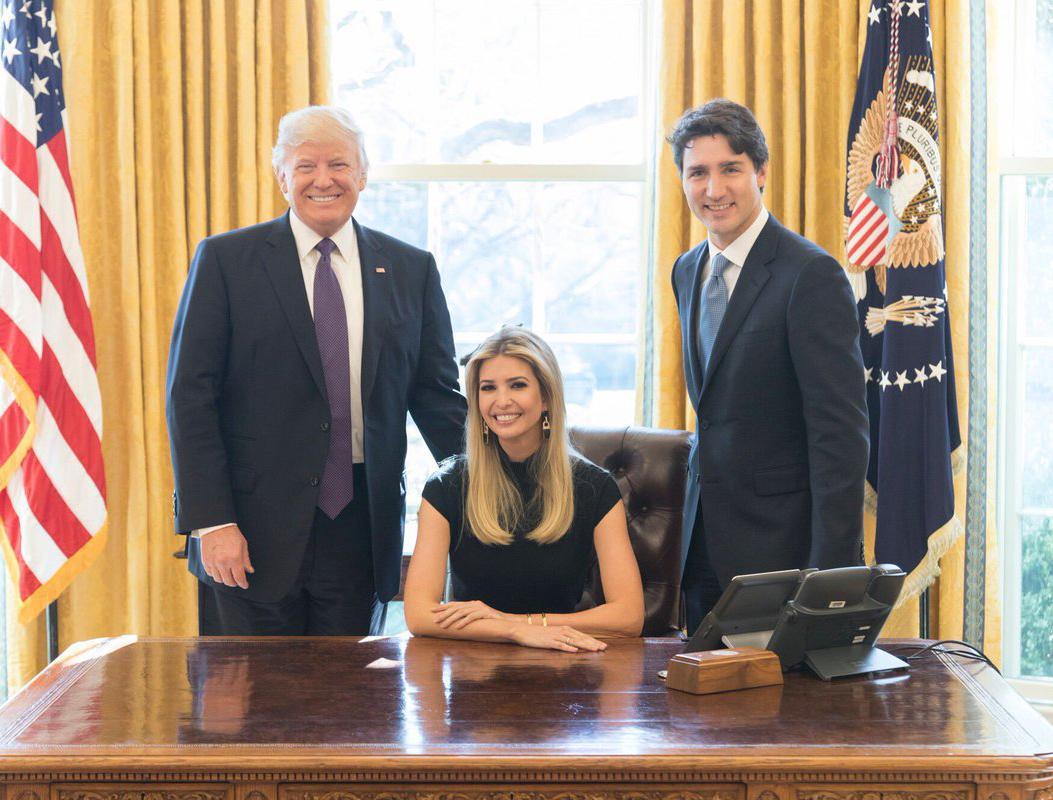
x=281, y=261
x=693, y=357
x=376, y=304
x=751, y=280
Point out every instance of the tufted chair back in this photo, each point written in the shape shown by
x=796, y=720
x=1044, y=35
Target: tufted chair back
x=650, y=466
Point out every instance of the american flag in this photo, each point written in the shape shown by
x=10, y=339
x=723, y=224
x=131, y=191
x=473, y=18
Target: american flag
x=52, y=486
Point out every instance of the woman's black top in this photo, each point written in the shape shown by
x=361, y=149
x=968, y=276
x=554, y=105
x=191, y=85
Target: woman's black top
x=523, y=577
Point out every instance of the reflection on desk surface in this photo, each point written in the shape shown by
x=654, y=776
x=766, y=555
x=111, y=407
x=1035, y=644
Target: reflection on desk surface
x=477, y=698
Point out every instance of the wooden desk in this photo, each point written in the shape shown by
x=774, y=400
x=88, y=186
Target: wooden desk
x=287, y=719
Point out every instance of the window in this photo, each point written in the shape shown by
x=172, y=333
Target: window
x=1025, y=167
x=513, y=141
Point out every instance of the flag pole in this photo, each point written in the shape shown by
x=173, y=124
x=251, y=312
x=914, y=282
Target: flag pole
x=51, y=620
x=923, y=615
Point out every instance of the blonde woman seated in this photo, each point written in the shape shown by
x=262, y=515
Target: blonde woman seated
x=521, y=518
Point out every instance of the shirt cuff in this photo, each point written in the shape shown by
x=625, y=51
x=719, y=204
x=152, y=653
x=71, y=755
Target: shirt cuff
x=198, y=533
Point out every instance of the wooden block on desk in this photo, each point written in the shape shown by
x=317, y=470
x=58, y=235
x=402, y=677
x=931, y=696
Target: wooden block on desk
x=709, y=671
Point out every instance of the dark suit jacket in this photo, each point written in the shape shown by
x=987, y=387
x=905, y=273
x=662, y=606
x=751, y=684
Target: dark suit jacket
x=780, y=452
x=248, y=417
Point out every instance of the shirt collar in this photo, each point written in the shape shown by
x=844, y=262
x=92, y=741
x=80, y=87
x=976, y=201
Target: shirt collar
x=307, y=239
x=739, y=250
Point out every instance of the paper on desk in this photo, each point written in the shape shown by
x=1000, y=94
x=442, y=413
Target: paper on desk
x=365, y=639
x=758, y=639
x=383, y=663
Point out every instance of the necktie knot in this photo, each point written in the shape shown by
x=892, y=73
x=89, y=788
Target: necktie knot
x=720, y=263
x=325, y=247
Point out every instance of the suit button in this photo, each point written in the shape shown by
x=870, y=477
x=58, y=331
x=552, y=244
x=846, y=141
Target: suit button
x=703, y=424
x=313, y=480
x=325, y=426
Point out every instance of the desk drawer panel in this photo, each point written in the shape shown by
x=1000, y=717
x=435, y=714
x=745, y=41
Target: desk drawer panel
x=887, y=792
x=142, y=791
x=532, y=791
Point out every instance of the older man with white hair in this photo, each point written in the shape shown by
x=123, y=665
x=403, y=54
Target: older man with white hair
x=299, y=346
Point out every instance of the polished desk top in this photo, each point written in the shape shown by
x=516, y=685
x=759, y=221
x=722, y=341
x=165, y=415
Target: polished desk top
x=278, y=699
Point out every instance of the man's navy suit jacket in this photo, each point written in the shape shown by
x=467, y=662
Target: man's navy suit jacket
x=248, y=417
x=780, y=451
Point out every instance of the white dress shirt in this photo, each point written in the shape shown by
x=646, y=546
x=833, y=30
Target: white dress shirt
x=737, y=252
x=348, y=268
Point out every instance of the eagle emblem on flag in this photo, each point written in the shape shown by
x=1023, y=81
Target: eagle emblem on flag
x=895, y=222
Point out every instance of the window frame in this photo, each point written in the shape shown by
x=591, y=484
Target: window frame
x=643, y=172
x=1014, y=51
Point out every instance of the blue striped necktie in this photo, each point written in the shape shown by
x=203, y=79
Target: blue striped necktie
x=330, y=327
x=713, y=303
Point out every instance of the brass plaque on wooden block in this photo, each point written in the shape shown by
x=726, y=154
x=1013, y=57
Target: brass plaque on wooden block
x=709, y=671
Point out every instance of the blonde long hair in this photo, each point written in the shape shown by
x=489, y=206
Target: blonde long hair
x=493, y=505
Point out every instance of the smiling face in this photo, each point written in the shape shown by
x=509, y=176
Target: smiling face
x=722, y=187
x=321, y=181
x=510, y=402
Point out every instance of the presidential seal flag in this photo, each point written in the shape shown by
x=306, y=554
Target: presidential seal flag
x=894, y=256
x=52, y=487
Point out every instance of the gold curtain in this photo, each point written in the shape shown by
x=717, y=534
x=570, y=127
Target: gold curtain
x=172, y=110
x=795, y=63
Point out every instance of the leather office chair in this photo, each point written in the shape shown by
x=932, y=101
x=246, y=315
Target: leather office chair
x=650, y=466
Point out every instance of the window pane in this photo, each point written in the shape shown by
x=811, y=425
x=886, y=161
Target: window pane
x=483, y=240
x=1033, y=92
x=591, y=78
x=1036, y=252
x=397, y=209
x=1036, y=596
x=1037, y=432
x=590, y=240
x=504, y=81
x=485, y=54
x=600, y=382
x=561, y=258
x=381, y=64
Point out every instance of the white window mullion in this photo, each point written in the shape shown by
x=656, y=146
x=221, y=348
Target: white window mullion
x=550, y=173
x=1011, y=431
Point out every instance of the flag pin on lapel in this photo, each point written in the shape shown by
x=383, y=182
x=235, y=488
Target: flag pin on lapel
x=381, y=270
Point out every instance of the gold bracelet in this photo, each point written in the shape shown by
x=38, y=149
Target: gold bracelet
x=544, y=619
x=530, y=619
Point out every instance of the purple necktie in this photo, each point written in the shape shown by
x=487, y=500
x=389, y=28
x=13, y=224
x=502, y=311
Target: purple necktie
x=330, y=326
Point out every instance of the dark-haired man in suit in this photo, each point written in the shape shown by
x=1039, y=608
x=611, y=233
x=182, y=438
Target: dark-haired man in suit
x=299, y=346
x=774, y=371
